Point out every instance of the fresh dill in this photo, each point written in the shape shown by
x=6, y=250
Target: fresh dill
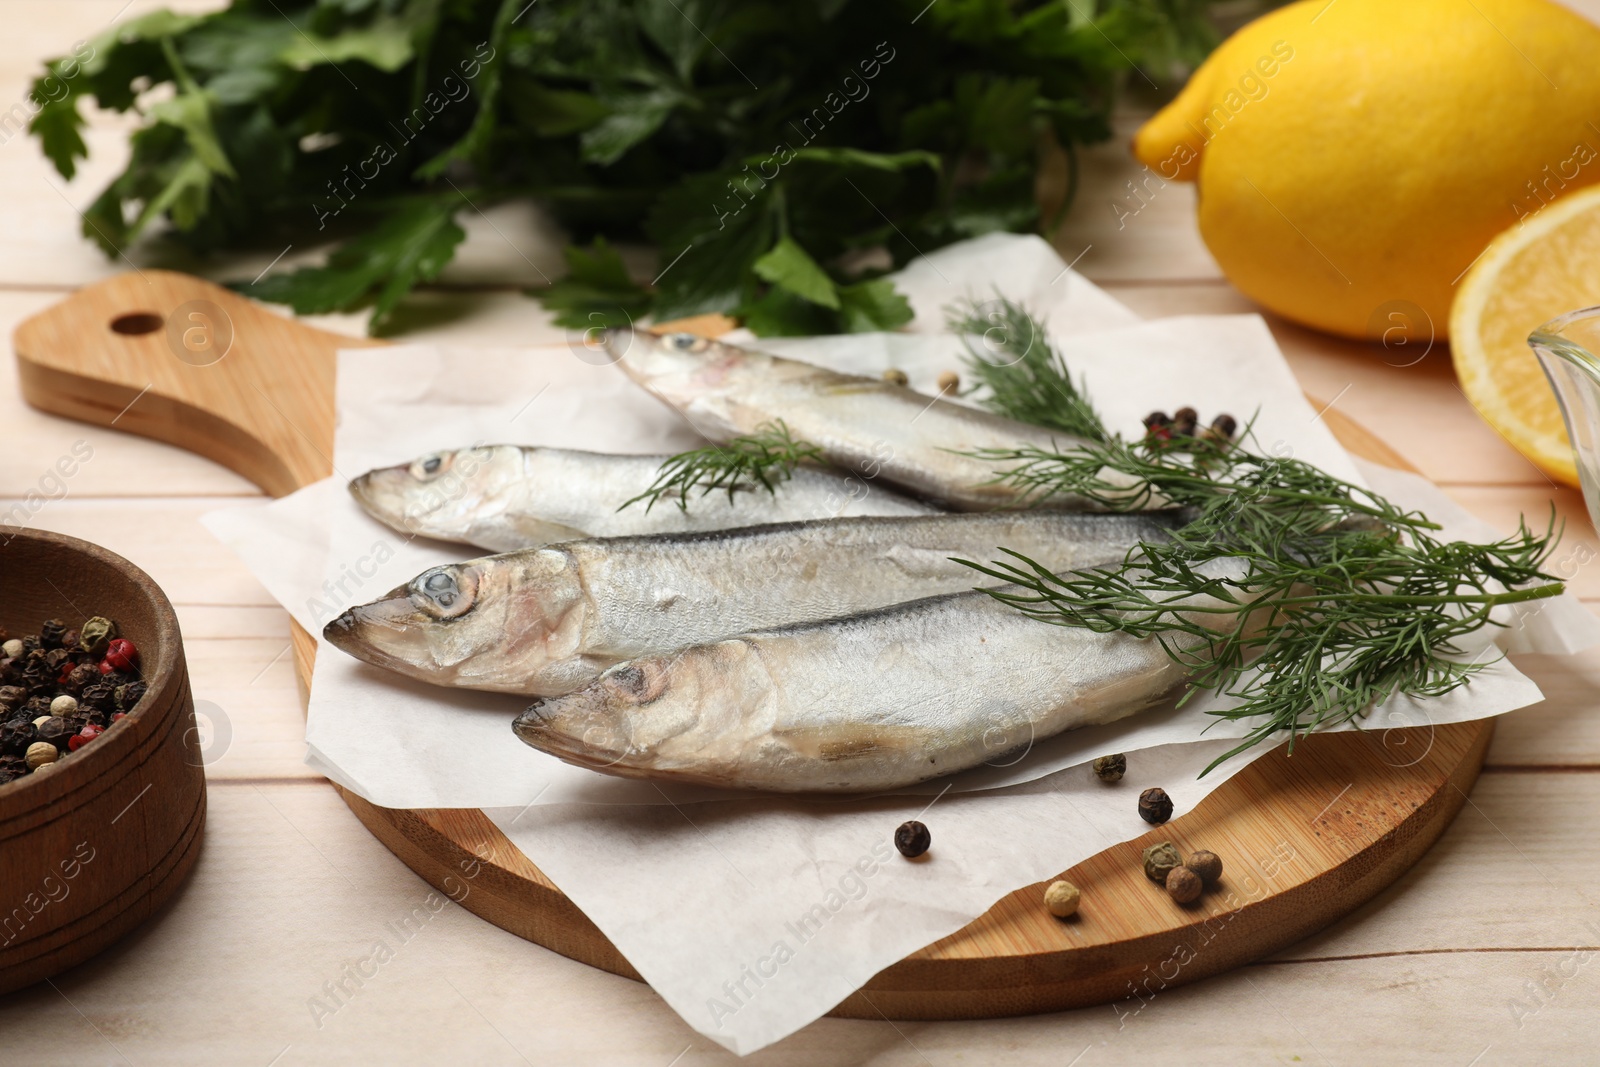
x=1304, y=599
x=761, y=459
x=1009, y=351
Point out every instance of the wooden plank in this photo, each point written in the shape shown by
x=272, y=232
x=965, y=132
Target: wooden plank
x=290, y=888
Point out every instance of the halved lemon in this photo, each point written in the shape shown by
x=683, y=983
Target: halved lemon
x=1546, y=265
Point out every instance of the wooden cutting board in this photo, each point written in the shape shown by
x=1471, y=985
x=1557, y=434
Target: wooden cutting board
x=1305, y=839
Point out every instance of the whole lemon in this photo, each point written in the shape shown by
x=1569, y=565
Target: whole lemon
x=1354, y=157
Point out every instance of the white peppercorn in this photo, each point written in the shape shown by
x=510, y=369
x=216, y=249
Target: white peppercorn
x=1061, y=898
x=64, y=704
x=39, y=753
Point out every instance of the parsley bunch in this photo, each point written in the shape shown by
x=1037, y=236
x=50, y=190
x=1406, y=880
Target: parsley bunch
x=767, y=148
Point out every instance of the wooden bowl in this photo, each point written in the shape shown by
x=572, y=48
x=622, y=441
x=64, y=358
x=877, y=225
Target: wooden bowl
x=91, y=848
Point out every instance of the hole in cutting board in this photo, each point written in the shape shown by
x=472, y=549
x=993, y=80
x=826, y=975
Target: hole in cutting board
x=137, y=322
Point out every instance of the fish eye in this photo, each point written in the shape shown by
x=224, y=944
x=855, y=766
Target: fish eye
x=431, y=466
x=638, y=682
x=444, y=592
x=686, y=342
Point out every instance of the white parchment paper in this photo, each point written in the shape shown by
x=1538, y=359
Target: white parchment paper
x=752, y=916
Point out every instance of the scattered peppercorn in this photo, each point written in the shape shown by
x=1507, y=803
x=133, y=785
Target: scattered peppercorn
x=912, y=839
x=948, y=381
x=1184, y=421
x=1155, y=419
x=1061, y=898
x=1183, y=885
x=1111, y=768
x=1225, y=426
x=1159, y=859
x=1155, y=807
x=1208, y=865
x=896, y=376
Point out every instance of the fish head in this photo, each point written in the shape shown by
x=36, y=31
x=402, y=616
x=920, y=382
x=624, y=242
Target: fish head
x=441, y=494
x=660, y=716
x=685, y=370
x=498, y=623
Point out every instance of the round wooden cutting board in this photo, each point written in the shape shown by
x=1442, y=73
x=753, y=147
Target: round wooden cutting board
x=1306, y=839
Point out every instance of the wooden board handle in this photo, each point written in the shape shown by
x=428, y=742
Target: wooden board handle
x=184, y=361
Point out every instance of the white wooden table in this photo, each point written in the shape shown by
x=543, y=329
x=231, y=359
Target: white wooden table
x=1483, y=954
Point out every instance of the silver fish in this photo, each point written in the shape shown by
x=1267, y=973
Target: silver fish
x=864, y=425
x=548, y=621
x=874, y=701
x=506, y=497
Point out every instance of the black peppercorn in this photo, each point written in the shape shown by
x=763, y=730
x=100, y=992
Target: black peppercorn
x=1155, y=806
x=55, y=730
x=31, y=643
x=129, y=694
x=1184, y=421
x=15, y=737
x=69, y=641
x=55, y=657
x=96, y=717
x=37, y=706
x=912, y=839
x=1225, y=426
x=12, y=696
x=50, y=633
x=99, y=695
x=81, y=677
x=1156, y=418
x=12, y=767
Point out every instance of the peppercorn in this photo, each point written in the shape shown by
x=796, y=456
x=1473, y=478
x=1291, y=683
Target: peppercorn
x=896, y=376
x=1225, y=425
x=1183, y=885
x=69, y=640
x=1160, y=859
x=912, y=839
x=948, y=381
x=1111, y=768
x=121, y=655
x=12, y=696
x=84, y=674
x=97, y=717
x=1061, y=898
x=55, y=730
x=12, y=648
x=64, y=705
x=50, y=632
x=1155, y=807
x=37, y=706
x=1184, y=420
x=12, y=767
x=1155, y=419
x=95, y=635
x=40, y=753
x=1208, y=865
x=15, y=737
x=100, y=695
x=84, y=736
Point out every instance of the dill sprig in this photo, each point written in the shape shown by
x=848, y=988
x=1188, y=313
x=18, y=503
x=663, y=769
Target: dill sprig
x=1305, y=599
x=1009, y=351
x=762, y=459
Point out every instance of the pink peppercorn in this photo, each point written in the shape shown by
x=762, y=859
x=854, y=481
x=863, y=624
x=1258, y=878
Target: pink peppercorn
x=84, y=736
x=120, y=656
